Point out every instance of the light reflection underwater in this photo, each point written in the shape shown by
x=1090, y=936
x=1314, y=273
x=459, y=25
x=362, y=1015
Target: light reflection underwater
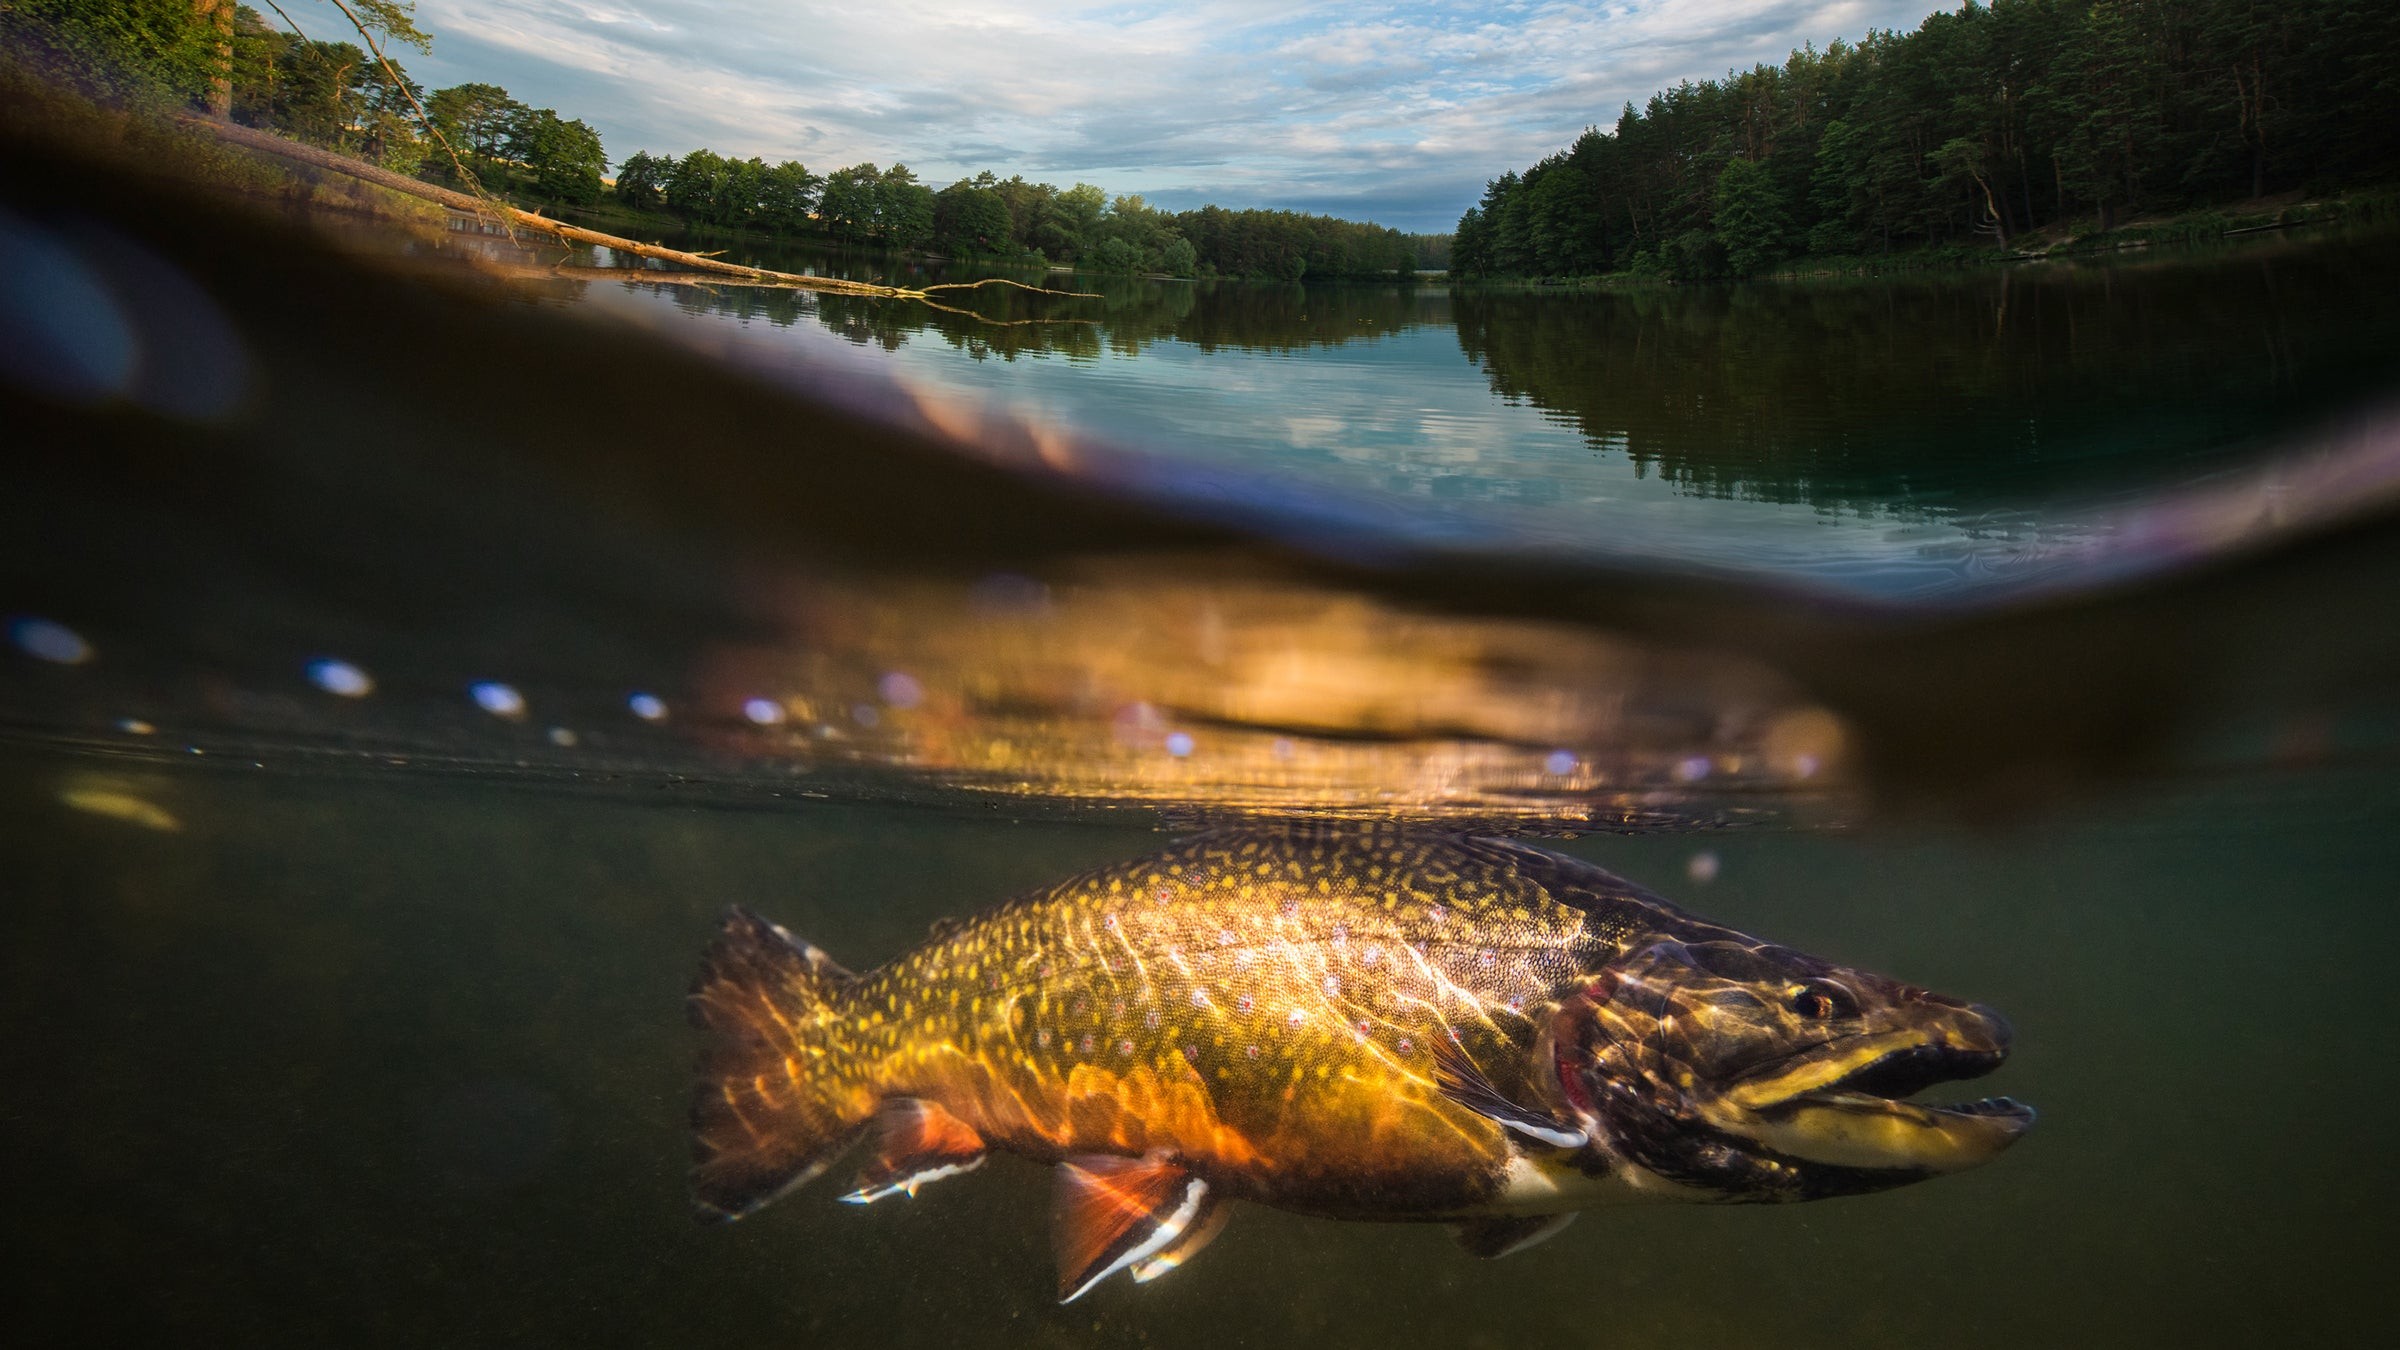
x=848, y=573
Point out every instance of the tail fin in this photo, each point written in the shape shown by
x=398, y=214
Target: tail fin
x=777, y=1098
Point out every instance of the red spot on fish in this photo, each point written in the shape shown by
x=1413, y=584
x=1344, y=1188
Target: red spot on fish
x=1087, y=1045
x=1245, y=1003
x=1251, y=1051
x=1125, y=1047
x=1404, y=1045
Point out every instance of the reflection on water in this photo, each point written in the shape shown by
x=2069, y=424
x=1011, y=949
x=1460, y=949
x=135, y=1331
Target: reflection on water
x=1170, y=681
x=1955, y=394
x=1227, y=563
x=1894, y=437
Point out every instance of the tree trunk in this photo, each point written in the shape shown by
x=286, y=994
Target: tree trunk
x=218, y=15
x=2025, y=189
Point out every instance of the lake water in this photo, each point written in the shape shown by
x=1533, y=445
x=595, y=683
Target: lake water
x=379, y=746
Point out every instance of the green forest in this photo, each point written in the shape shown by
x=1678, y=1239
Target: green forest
x=230, y=60
x=1982, y=128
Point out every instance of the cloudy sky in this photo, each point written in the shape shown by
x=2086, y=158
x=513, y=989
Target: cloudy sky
x=1392, y=113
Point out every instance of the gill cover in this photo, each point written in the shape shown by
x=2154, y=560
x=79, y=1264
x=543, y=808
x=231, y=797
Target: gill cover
x=1762, y=1073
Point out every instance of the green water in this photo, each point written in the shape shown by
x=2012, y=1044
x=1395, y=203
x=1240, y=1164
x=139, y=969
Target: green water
x=2035, y=628
x=373, y=1061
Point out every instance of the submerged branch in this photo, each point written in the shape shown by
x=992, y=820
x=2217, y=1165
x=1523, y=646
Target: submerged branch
x=646, y=276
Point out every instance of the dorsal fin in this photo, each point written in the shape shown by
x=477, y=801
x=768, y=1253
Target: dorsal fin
x=1494, y=1238
x=916, y=1142
x=1110, y=1212
x=1460, y=1081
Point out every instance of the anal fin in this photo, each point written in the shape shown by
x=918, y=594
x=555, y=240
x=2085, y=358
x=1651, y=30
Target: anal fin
x=916, y=1142
x=1111, y=1213
x=1199, y=1233
x=1494, y=1238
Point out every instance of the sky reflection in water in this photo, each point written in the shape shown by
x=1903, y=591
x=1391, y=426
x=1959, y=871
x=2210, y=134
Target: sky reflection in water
x=1989, y=432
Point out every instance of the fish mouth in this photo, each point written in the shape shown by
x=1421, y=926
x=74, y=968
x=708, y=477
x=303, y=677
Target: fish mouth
x=1842, y=1104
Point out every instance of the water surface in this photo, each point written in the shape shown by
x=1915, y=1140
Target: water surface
x=378, y=747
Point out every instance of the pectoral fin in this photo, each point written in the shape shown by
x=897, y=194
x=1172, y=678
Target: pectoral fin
x=1111, y=1213
x=916, y=1142
x=1460, y=1081
x=1492, y=1239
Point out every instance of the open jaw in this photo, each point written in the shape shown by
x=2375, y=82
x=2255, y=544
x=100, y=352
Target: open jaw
x=1842, y=1105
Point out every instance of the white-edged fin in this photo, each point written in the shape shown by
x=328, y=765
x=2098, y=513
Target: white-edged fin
x=1202, y=1231
x=1492, y=1239
x=1460, y=1081
x=916, y=1142
x=907, y=1185
x=1109, y=1213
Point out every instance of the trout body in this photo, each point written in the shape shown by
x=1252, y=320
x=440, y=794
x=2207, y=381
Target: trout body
x=1354, y=1023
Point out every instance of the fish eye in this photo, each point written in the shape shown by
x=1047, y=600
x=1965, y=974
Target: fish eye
x=1819, y=1002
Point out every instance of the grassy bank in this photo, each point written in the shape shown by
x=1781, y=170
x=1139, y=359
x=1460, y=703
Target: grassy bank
x=148, y=135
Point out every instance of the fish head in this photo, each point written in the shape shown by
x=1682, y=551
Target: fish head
x=1756, y=1072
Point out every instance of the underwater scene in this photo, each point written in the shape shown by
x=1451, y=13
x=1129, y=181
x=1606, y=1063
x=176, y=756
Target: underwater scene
x=1210, y=813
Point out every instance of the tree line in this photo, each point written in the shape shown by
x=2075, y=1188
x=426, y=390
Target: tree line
x=1981, y=126
x=1010, y=219
x=229, y=59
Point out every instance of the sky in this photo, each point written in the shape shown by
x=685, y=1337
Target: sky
x=1395, y=113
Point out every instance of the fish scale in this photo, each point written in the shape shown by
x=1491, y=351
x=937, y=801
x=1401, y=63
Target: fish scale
x=1198, y=979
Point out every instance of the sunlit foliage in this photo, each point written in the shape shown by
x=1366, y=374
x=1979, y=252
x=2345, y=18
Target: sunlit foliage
x=1981, y=126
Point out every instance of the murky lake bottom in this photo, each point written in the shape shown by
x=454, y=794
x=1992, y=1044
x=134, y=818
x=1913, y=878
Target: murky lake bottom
x=390, y=1058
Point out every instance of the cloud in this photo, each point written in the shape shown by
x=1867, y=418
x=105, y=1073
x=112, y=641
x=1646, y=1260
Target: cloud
x=1400, y=111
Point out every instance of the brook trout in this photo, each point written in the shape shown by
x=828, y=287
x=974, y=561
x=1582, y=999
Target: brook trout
x=1354, y=1023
